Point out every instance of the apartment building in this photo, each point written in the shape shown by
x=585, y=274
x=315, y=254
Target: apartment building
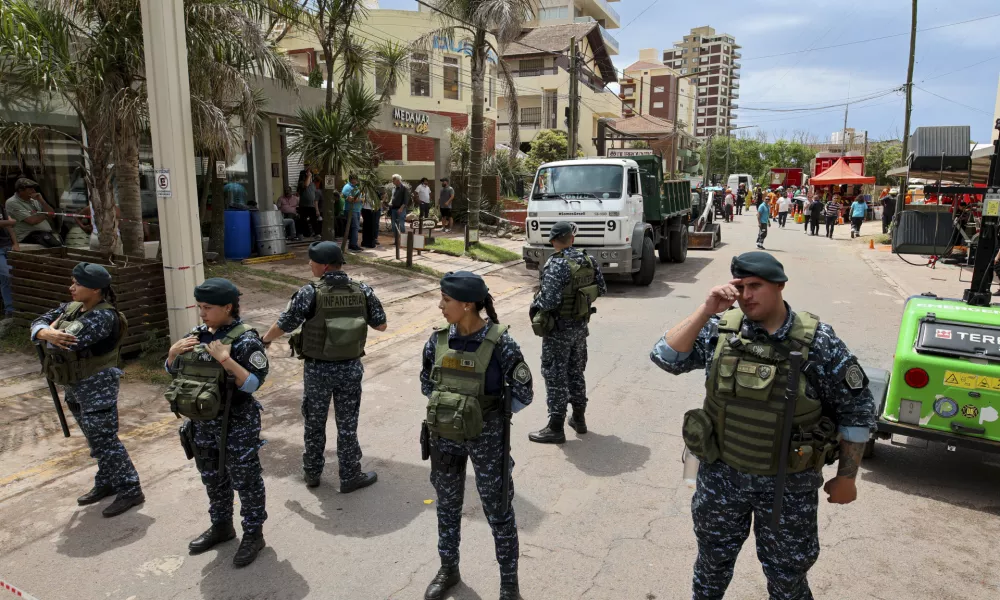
x=539, y=61
x=649, y=87
x=564, y=12
x=715, y=57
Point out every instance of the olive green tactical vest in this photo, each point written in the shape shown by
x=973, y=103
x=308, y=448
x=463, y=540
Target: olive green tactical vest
x=68, y=367
x=746, y=400
x=198, y=389
x=339, y=329
x=457, y=404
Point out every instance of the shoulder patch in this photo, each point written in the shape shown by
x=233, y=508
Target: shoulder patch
x=522, y=374
x=854, y=377
x=259, y=360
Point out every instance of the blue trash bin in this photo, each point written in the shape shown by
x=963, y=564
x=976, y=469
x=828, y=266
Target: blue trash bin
x=237, y=244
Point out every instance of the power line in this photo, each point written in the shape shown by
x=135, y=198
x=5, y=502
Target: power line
x=952, y=101
x=813, y=108
x=982, y=62
x=875, y=39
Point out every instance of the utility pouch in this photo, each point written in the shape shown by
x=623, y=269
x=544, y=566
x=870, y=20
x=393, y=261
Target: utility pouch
x=295, y=345
x=457, y=417
x=543, y=323
x=196, y=400
x=425, y=441
x=699, y=435
x=585, y=297
x=186, y=432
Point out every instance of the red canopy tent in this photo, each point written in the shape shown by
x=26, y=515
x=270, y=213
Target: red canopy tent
x=838, y=174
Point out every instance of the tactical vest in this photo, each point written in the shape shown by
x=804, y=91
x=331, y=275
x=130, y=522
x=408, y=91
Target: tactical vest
x=68, y=367
x=741, y=422
x=198, y=390
x=339, y=329
x=581, y=290
x=458, y=402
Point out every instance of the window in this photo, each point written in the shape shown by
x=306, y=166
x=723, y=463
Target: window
x=658, y=89
x=657, y=105
x=548, y=14
x=595, y=179
x=633, y=182
x=452, y=77
x=684, y=71
x=531, y=117
x=380, y=81
x=628, y=91
x=531, y=67
x=420, y=75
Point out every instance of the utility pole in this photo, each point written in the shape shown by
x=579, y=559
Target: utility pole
x=901, y=196
x=729, y=145
x=165, y=45
x=844, y=132
x=574, y=92
x=708, y=163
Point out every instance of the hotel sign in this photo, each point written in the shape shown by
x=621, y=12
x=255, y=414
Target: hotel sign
x=410, y=119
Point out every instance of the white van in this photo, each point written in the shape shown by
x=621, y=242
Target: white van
x=736, y=179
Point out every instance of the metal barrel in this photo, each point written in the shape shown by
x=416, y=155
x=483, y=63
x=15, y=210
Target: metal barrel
x=270, y=233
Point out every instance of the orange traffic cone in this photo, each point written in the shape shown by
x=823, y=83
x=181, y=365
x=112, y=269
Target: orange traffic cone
x=871, y=244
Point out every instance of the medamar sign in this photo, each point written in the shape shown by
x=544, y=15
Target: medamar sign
x=410, y=119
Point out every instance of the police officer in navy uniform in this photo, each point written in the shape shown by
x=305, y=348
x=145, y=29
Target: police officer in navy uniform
x=81, y=340
x=471, y=360
x=566, y=274
x=335, y=315
x=234, y=350
x=745, y=356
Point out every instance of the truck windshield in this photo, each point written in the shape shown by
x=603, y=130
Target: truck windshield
x=591, y=181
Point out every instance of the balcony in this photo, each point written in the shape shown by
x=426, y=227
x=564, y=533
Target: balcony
x=737, y=65
x=737, y=55
x=734, y=106
x=601, y=10
x=735, y=95
x=535, y=72
x=736, y=85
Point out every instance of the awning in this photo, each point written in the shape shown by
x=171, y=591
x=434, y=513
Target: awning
x=839, y=174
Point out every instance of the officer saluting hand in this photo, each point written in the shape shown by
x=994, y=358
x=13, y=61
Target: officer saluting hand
x=737, y=434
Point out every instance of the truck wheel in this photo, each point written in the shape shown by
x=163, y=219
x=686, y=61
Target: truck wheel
x=647, y=268
x=679, y=247
x=869, y=449
x=663, y=249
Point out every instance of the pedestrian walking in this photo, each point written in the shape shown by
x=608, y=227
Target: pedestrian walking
x=571, y=281
x=308, y=208
x=399, y=206
x=472, y=365
x=816, y=209
x=888, y=211
x=424, y=198
x=728, y=205
x=371, y=213
x=763, y=222
x=335, y=315
x=784, y=204
x=81, y=341
x=832, y=214
x=741, y=197
x=444, y=205
x=351, y=193
x=746, y=356
x=217, y=368
x=859, y=209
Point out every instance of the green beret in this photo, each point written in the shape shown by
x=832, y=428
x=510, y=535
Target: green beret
x=464, y=286
x=326, y=253
x=217, y=291
x=758, y=264
x=560, y=229
x=91, y=276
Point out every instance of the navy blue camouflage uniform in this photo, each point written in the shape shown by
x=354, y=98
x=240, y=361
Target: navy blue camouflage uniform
x=243, y=472
x=94, y=402
x=486, y=453
x=725, y=498
x=323, y=379
x=564, y=350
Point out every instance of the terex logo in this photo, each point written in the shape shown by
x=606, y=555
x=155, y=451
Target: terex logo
x=944, y=334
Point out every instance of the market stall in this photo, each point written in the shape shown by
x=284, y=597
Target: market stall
x=842, y=180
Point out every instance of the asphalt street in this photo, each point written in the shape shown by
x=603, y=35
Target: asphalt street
x=604, y=516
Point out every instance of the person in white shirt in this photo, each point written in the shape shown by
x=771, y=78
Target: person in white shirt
x=424, y=196
x=729, y=203
x=783, y=205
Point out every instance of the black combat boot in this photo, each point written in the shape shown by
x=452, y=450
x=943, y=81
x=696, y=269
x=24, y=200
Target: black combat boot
x=311, y=480
x=550, y=434
x=250, y=547
x=96, y=494
x=446, y=578
x=123, y=503
x=216, y=534
x=363, y=480
x=577, y=420
x=509, y=591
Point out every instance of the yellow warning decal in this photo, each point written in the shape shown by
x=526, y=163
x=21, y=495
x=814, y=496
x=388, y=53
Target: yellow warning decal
x=970, y=381
x=992, y=208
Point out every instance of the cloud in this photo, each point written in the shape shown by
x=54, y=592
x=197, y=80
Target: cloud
x=768, y=23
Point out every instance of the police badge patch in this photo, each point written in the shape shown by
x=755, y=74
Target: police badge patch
x=258, y=360
x=854, y=377
x=522, y=374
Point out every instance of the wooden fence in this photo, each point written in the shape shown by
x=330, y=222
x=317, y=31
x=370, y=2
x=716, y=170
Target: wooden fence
x=41, y=279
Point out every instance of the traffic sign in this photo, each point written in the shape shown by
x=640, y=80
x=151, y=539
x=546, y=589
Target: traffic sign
x=163, y=183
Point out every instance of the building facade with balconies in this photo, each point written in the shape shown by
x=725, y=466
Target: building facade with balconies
x=651, y=88
x=539, y=62
x=715, y=58
x=564, y=12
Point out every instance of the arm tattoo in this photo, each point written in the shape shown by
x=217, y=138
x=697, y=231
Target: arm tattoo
x=850, y=459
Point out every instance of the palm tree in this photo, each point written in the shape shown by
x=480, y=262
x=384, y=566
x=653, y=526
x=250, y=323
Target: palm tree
x=503, y=19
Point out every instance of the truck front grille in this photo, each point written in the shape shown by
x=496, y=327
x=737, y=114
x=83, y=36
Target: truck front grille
x=586, y=230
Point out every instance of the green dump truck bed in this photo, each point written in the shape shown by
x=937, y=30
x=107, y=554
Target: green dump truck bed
x=662, y=200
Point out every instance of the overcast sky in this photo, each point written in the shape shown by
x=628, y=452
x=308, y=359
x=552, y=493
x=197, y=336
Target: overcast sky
x=945, y=65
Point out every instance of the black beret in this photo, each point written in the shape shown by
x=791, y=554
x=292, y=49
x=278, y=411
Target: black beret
x=758, y=264
x=217, y=291
x=560, y=229
x=464, y=286
x=326, y=253
x=91, y=276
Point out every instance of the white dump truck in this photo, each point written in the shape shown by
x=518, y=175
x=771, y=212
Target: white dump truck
x=623, y=210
